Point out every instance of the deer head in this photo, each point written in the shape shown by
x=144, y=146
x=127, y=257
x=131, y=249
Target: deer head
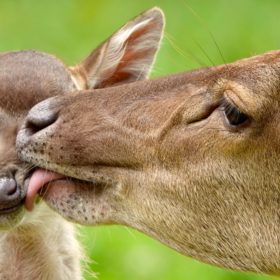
x=28, y=77
x=191, y=159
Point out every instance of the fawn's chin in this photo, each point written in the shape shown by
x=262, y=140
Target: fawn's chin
x=10, y=218
x=78, y=201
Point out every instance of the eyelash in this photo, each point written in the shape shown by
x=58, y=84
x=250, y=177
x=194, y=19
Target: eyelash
x=234, y=116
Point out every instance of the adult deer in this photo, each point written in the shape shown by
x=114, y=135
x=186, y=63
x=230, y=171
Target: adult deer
x=191, y=159
x=42, y=245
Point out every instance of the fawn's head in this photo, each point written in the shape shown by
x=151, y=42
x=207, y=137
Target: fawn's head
x=28, y=77
x=190, y=159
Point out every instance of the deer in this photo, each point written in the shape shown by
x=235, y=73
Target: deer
x=190, y=159
x=41, y=245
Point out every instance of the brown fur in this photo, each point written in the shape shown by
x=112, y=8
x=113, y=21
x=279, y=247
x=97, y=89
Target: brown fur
x=29, y=243
x=42, y=245
x=161, y=157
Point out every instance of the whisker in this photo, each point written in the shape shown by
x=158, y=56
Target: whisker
x=190, y=55
x=204, y=25
x=28, y=168
x=204, y=52
x=130, y=232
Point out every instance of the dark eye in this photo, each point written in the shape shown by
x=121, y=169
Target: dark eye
x=233, y=114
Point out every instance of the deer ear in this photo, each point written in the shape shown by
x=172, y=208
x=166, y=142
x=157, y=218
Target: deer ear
x=126, y=56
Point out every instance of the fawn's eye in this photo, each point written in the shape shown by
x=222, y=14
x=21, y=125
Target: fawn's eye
x=233, y=114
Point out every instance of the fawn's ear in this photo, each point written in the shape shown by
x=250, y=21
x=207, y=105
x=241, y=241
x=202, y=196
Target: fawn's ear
x=126, y=56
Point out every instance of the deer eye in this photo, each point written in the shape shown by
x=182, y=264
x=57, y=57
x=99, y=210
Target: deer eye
x=233, y=114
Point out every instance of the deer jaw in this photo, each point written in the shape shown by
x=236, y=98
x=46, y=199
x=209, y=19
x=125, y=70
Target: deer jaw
x=162, y=157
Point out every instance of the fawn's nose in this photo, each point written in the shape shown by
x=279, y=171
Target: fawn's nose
x=40, y=117
x=10, y=194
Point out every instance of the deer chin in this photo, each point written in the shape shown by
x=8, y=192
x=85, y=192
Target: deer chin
x=83, y=202
x=11, y=218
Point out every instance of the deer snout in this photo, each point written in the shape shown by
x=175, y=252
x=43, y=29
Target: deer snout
x=10, y=194
x=36, y=125
x=40, y=117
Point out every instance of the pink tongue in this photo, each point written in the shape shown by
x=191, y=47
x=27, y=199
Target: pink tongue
x=38, y=179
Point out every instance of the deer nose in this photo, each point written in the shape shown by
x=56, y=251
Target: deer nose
x=40, y=117
x=37, y=122
x=10, y=194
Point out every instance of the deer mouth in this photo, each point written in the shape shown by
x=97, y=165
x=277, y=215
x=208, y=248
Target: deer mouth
x=80, y=201
x=71, y=197
x=11, y=209
x=39, y=179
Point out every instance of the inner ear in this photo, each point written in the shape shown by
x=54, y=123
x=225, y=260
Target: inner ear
x=126, y=56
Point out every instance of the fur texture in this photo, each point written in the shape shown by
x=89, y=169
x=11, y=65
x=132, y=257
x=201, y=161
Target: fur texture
x=42, y=245
x=161, y=156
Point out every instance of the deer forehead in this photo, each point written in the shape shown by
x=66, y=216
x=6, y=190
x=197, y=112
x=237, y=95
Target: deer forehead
x=27, y=77
x=260, y=74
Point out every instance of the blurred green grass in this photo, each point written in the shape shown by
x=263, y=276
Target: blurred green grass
x=71, y=28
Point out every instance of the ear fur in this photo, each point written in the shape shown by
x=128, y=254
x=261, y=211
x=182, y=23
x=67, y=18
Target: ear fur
x=126, y=56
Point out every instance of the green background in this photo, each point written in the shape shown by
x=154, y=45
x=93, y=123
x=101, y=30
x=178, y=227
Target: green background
x=217, y=31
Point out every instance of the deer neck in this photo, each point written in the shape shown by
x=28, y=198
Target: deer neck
x=44, y=248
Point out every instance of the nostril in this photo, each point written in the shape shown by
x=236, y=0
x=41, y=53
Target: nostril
x=39, y=119
x=35, y=123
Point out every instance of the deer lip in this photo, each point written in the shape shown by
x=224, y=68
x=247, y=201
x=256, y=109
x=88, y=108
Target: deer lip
x=39, y=179
x=11, y=209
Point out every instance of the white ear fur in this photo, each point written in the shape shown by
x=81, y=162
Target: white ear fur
x=126, y=56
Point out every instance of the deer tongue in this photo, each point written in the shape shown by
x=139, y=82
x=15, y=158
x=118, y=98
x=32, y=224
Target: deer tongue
x=39, y=178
